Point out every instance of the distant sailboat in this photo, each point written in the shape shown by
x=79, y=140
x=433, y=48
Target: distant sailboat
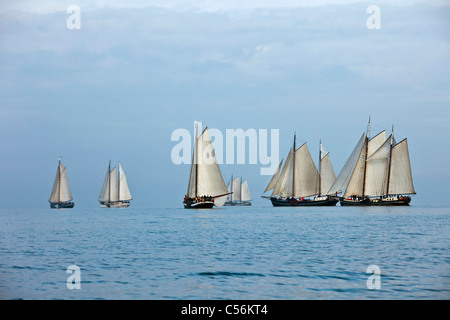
x=115, y=192
x=206, y=186
x=300, y=179
x=378, y=172
x=61, y=196
x=240, y=193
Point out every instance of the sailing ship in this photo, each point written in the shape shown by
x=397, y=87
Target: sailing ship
x=115, y=192
x=378, y=172
x=240, y=193
x=299, y=180
x=206, y=187
x=61, y=197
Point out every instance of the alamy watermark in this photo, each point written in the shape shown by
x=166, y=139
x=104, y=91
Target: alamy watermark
x=373, y=22
x=374, y=281
x=73, y=22
x=240, y=145
x=74, y=280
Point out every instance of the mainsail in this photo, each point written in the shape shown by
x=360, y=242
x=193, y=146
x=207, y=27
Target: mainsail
x=61, y=189
x=205, y=177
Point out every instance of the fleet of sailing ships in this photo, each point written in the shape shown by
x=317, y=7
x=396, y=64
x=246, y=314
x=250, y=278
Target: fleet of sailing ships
x=378, y=172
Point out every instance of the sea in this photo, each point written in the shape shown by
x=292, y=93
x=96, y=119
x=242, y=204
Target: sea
x=235, y=253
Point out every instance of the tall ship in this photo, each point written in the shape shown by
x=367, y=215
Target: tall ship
x=239, y=193
x=206, y=187
x=299, y=183
x=115, y=192
x=61, y=197
x=378, y=172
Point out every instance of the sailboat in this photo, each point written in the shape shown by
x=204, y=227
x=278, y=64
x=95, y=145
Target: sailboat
x=378, y=172
x=115, y=192
x=206, y=186
x=300, y=179
x=390, y=163
x=61, y=196
x=240, y=193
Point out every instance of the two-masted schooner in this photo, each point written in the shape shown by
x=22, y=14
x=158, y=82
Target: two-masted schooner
x=378, y=172
x=115, y=192
x=206, y=185
x=299, y=180
x=240, y=193
x=61, y=197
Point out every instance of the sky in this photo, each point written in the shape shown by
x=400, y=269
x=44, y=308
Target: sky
x=136, y=71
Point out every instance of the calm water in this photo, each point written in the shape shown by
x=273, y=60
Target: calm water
x=227, y=253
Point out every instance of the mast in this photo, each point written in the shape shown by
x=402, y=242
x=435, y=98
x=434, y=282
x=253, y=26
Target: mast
x=118, y=182
x=390, y=161
x=365, y=159
x=59, y=184
x=320, y=164
x=196, y=159
x=293, y=167
x=109, y=180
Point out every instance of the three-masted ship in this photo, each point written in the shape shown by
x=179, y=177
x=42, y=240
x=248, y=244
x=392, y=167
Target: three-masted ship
x=61, y=197
x=378, y=172
x=299, y=180
x=115, y=192
x=206, y=187
x=240, y=193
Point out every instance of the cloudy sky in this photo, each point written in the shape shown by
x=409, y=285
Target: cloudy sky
x=135, y=71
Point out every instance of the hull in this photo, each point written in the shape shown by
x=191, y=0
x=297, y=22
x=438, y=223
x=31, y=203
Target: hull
x=118, y=204
x=354, y=202
x=391, y=201
x=61, y=205
x=328, y=201
x=198, y=205
x=238, y=204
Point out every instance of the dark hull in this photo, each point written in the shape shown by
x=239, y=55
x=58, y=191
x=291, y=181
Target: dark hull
x=364, y=202
x=198, y=205
x=311, y=203
x=62, y=205
x=401, y=201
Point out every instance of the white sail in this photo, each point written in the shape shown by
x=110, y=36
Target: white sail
x=356, y=184
x=345, y=174
x=206, y=178
x=236, y=195
x=61, y=189
x=114, y=187
x=124, y=191
x=400, y=181
x=377, y=170
x=245, y=192
x=104, y=193
x=54, y=197
x=229, y=190
x=286, y=172
x=66, y=194
x=274, y=179
x=327, y=175
x=375, y=143
x=306, y=176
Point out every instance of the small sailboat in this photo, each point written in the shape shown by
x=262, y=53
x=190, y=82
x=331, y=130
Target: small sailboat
x=61, y=197
x=115, y=192
x=206, y=185
x=240, y=193
x=378, y=172
x=299, y=180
